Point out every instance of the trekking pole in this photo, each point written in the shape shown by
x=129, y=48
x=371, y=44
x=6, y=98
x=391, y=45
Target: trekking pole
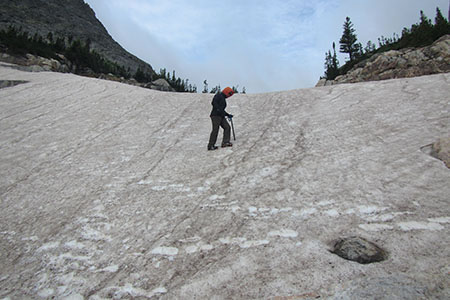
x=232, y=127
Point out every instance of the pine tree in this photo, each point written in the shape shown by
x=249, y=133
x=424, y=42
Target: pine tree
x=370, y=47
x=331, y=64
x=50, y=37
x=348, y=40
x=441, y=26
x=422, y=33
x=162, y=73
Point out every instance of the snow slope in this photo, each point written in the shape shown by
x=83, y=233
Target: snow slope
x=107, y=191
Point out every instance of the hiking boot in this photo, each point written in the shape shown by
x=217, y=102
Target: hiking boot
x=210, y=148
x=227, y=145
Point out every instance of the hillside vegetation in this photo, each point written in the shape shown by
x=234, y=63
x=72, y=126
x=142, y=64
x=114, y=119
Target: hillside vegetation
x=421, y=34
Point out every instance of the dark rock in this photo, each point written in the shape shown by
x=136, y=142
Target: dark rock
x=8, y=83
x=359, y=250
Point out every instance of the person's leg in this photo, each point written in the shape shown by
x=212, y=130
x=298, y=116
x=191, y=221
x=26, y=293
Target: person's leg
x=216, y=121
x=226, y=131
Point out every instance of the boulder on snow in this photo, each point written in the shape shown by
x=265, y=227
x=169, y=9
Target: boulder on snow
x=161, y=85
x=359, y=250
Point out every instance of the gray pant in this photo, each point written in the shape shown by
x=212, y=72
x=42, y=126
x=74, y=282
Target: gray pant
x=216, y=122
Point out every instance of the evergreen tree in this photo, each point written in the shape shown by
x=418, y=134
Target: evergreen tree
x=205, y=87
x=422, y=33
x=331, y=64
x=441, y=26
x=214, y=90
x=370, y=47
x=162, y=73
x=50, y=37
x=348, y=40
x=140, y=76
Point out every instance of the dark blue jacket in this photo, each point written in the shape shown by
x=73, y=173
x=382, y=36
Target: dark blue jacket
x=219, y=104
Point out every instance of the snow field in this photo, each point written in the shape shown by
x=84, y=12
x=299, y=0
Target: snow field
x=107, y=190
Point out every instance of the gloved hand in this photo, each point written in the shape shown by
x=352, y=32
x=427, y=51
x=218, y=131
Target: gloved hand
x=230, y=116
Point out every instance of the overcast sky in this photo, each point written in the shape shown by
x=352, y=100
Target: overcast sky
x=263, y=45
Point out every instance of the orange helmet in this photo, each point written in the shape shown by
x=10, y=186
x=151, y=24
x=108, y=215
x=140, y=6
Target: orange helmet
x=228, y=91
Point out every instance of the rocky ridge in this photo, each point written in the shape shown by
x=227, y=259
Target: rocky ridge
x=404, y=63
x=67, y=18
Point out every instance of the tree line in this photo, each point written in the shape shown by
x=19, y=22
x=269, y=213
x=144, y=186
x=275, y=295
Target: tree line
x=421, y=34
x=217, y=89
x=18, y=42
x=178, y=84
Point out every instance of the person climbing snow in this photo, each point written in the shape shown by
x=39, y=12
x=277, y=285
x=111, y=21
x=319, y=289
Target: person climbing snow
x=218, y=118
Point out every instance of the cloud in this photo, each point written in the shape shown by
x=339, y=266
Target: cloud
x=262, y=45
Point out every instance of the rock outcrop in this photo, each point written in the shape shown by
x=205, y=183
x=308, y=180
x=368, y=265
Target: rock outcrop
x=67, y=18
x=160, y=85
x=33, y=63
x=409, y=62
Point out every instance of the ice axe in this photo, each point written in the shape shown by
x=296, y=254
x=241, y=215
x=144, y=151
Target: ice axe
x=232, y=126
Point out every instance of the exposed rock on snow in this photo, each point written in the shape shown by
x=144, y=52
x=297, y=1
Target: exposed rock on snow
x=107, y=191
x=359, y=250
x=8, y=83
x=441, y=150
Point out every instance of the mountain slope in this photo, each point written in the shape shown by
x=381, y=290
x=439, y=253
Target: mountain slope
x=107, y=191
x=67, y=18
